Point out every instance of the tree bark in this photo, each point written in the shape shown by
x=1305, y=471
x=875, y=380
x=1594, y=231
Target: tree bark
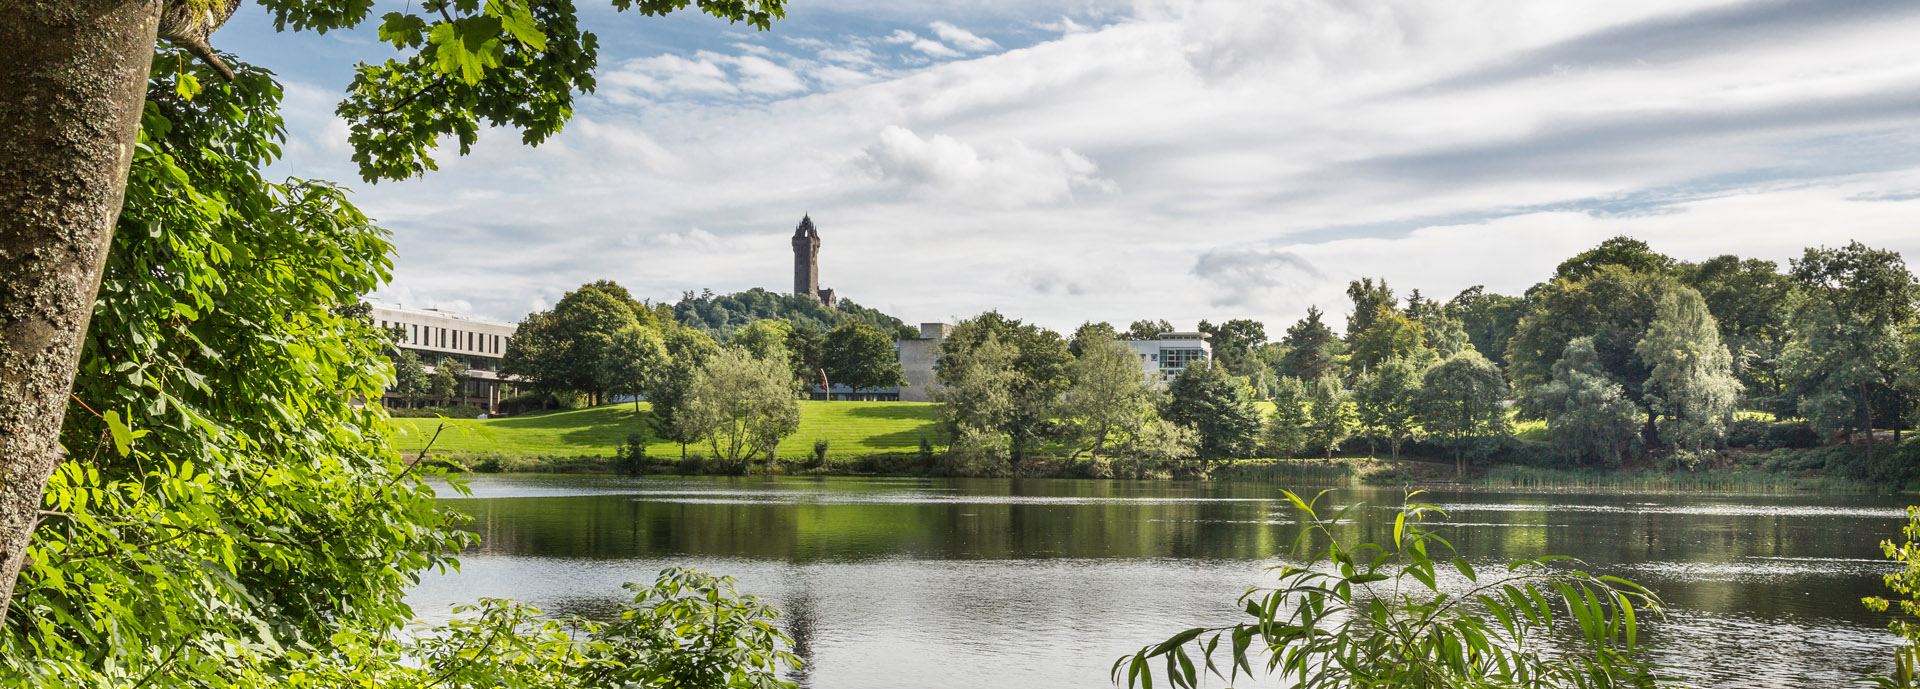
x=75, y=83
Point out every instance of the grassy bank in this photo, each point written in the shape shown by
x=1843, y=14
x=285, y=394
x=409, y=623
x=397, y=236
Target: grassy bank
x=851, y=429
x=883, y=438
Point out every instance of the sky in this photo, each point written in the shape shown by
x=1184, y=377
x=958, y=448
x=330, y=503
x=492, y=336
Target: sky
x=1072, y=160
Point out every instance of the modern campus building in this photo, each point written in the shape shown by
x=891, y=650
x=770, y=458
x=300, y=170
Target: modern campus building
x=1164, y=356
x=434, y=335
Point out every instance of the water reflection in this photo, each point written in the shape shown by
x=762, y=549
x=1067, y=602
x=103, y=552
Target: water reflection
x=1031, y=582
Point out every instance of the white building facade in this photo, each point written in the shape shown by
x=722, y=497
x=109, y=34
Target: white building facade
x=433, y=335
x=1167, y=354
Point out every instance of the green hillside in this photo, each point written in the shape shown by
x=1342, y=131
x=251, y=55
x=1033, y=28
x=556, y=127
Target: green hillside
x=851, y=429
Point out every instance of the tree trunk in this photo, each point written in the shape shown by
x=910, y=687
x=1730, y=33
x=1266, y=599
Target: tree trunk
x=75, y=83
x=1866, y=419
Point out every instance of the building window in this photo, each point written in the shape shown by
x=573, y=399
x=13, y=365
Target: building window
x=413, y=338
x=1177, y=359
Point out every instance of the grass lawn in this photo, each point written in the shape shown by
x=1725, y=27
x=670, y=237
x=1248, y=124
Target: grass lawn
x=850, y=428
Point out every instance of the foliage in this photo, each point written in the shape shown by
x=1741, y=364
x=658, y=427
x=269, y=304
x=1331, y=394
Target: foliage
x=1751, y=300
x=1623, y=252
x=1148, y=329
x=633, y=362
x=1369, y=615
x=976, y=385
x=1692, y=381
x=410, y=382
x=689, y=629
x=471, y=64
x=1108, y=394
x=1384, y=401
x=1218, y=408
x=1906, y=585
x=1330, y=417
x=1611, y=304
x=566, y=349
x=1588, y=416
x=1489, y=320
x=742, y=406
x=765, y=339
x=631, y=458
x=1034, y=391
x=1844, y=357
x=222, y=490
x=1310, y=348
x=1285, y=433
x=719, y=316
x=1392, y=335
x=688, y=352
x=1234, y=343
x=1370, y=301
x=1090, y=332
x=977, y=452
x=1460, y=404
x=449, y=380
x=860, y=357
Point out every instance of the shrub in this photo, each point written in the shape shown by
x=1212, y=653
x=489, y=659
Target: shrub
x=631, y=458
x=456, y=412
x=1382, y=616
x=819, y=452
x=978, y=453
x=1750, y=432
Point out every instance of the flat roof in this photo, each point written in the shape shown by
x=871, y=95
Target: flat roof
x=438, y=313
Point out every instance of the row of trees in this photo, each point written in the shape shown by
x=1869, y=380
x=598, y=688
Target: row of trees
x=1015, y=389
x=1623, y=352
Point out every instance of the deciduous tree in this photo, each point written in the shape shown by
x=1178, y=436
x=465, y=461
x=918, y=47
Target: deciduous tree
x=1108, y=394
x=1203, y=397
x=1461, y=404
x=742, y=406
x=862, y=358
x=64, y=168
x=1385, y=401
x=1847, y=332
x=635, y=360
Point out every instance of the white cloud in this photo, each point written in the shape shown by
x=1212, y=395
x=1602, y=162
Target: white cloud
x=962, y=38
x=1006, y=174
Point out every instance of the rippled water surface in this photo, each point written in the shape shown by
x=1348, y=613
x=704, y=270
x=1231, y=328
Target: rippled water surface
x=992, y=583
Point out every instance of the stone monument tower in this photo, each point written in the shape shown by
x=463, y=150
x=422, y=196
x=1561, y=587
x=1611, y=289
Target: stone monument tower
x=806, y=262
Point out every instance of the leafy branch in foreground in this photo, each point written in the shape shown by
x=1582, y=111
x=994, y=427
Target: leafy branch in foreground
x=1388, y=616
x=1905, y=582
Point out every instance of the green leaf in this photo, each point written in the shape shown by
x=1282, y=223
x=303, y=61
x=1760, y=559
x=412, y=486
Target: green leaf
x=1466, y=570
x=122, y=436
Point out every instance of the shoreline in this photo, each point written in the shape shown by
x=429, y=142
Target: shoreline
x=1340, y=471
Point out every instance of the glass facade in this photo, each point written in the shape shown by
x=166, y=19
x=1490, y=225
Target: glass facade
x=1173, y=360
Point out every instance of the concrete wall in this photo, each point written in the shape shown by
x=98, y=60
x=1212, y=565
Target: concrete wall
x=917, y=357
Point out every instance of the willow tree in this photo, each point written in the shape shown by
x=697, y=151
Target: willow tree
x=78, y=77
x=1692, y=383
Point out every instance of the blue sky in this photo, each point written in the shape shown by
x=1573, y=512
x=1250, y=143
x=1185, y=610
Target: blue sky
x=1072, y=160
